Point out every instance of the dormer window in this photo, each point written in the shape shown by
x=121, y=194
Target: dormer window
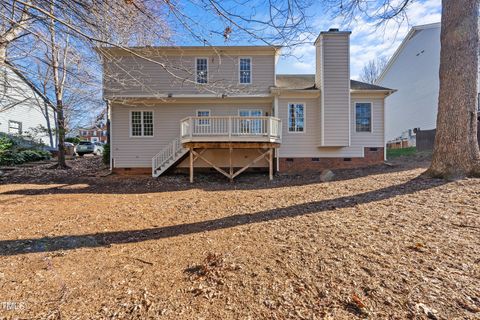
x=201, y=70
x=245, y=68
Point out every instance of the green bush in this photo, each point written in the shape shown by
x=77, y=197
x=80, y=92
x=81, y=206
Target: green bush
x=11, y=153
x=106, y=154
x=5, y=143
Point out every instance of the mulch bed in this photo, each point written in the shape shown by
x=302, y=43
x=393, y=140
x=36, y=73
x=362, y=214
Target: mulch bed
x=378, y=243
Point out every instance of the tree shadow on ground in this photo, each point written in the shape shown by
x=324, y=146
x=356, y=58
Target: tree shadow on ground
x=104, y=239
x=208, y=182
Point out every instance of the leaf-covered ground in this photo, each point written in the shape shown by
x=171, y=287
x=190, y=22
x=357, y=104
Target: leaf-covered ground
x=379, y=243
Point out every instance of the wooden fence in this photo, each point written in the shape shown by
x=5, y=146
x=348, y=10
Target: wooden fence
x=426, y=139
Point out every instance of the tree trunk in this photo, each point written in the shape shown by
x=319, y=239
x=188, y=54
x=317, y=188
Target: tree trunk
x=456, y=152
x=49, y=126
x=61, y=164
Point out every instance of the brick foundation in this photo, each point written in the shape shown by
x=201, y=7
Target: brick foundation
x=132, y=171
x=372, y=156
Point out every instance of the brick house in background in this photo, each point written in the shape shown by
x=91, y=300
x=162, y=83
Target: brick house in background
x=93, y=134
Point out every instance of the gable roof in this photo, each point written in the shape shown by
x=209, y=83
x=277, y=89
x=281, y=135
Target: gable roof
x=307, y=82
x=414, y=30
x=29, y=83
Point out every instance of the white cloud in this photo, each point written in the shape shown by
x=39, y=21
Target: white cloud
x=367, y=41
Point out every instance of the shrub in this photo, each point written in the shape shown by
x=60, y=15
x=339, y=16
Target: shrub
x=106, y=154
x=11, y=157
x=5, y=143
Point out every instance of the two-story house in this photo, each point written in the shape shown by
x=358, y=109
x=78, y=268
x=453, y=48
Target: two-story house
x=226, y=108
x=414, y=71
x=24, y=109
x=93, y=134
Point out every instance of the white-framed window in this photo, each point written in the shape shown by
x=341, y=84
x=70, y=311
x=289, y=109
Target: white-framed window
x=14, y=127
x=296, y=117
x=94, y=133
x=201, y=70
x=203, y=113
x=141, y=123
x=250, y=125
x=245, y=70
x=363, y=117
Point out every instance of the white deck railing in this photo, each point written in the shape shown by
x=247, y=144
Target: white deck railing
x=167, y=154
x=231, y=128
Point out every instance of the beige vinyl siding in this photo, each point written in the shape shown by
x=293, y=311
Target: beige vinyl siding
x=375, y=138
x=298, y=145
x=137, y=152
x=134, y=76
x=335, y=91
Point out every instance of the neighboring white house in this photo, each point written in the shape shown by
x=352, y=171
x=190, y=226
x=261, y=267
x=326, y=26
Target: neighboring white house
x=414, y=71
x=226, y=108
x=23, y=107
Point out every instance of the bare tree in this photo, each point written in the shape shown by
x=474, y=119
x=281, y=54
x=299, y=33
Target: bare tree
x=372, y=70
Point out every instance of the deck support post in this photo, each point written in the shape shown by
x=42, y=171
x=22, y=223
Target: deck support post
x=191, y=165
x=231, y=167
x=270, y=164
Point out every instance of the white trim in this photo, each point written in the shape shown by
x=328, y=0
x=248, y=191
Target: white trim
x=141, y=119
x=322, y=94
x=304, y=117
x=276, y=114
x=209, y=115
x=196, y=74
x=355, y=116
x=251, y=71
x=110, y=116
x=350, y=98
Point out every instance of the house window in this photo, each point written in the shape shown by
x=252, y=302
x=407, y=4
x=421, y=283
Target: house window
x=250, y=125
x=203, y=113
x=363, y=116
x=14, y=127
x=245, y=70
x=94, y=133
x=141, y=123
x=202, y=70
x=296, y=117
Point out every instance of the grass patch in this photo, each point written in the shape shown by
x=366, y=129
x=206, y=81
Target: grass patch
x=393, y=153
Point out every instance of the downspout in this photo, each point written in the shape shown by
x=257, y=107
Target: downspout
x=275, y=113
x=109, y=132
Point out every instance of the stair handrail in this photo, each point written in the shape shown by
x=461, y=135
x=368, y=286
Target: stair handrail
x=166, y=154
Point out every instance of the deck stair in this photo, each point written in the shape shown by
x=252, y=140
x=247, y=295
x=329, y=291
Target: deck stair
x=167, y=157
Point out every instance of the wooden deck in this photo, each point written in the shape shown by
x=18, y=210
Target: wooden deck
x=231, y=129
x=196, y=150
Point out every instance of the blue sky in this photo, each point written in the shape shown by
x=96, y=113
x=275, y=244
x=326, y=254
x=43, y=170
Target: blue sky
x=367, y=41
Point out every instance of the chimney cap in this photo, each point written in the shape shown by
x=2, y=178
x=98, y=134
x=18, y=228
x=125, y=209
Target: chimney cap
x=332, y=31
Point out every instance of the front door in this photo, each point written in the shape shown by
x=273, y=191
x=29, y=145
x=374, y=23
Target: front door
x=250, y=126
